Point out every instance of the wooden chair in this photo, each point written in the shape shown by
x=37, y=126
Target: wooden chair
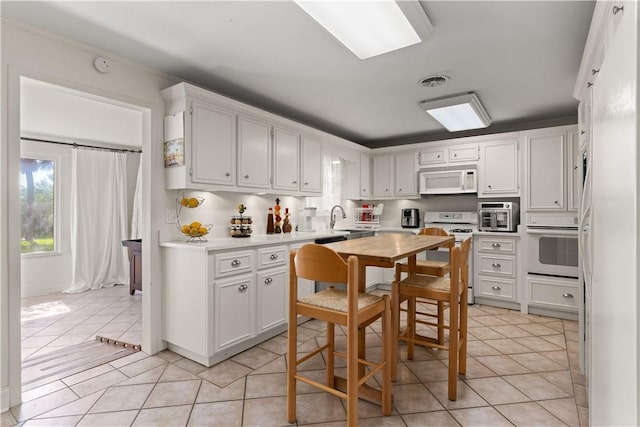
x=432, y=268
x=349, y=308
x=451, y=290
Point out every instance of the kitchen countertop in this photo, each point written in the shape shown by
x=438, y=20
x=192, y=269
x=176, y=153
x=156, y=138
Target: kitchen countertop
x=218, y=243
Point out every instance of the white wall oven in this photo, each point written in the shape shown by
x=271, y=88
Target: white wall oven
x=553, y=252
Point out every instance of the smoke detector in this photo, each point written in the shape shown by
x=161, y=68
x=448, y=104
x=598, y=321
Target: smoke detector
x=433, y=81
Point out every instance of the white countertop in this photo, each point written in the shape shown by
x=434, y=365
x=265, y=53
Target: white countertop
x=218, y=243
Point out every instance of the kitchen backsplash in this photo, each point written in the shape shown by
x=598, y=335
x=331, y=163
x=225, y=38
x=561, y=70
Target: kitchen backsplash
x=392, y=208
x=218, y=208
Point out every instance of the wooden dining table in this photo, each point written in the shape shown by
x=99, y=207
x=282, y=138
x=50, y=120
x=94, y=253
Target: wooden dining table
x=383, y=250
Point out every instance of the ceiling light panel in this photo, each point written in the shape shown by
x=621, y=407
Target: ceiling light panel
x=367, y=28
x=458, y=113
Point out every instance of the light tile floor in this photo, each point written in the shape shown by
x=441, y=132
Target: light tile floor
x=522, y=370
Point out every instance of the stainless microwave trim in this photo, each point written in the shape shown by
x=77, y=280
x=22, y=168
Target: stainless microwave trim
x=490, y=210
x=467, y=181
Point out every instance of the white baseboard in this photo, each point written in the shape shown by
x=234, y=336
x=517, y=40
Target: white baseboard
x=4, y=399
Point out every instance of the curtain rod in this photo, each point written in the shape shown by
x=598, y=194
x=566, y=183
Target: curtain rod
x=76, y=145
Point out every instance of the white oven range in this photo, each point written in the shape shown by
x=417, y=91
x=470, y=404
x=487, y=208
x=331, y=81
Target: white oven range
x=459, y=224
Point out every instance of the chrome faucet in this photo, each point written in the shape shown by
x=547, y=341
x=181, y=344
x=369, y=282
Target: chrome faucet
x=332, y=222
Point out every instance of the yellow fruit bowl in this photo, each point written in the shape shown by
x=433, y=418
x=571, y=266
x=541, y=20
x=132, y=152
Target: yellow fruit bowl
x=196, y=231
x=191, y=202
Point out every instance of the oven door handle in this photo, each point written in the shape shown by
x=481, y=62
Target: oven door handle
x=554, y=231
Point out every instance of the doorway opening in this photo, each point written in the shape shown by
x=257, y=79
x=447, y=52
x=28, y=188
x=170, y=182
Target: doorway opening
x=75, y=212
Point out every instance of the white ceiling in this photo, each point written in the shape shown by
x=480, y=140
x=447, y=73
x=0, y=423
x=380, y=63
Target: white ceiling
x=520, y=57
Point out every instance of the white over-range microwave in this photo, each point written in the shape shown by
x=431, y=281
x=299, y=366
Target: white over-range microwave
x=452, y=181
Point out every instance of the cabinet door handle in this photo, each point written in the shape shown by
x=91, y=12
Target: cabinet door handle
x=566, y=295
x=294, y=182
x=399, y=190
x=556, y=202
x=455, y=155
x=227, y=174
x=246, y=177
x=582, y=132
x=274, y=256
x=496, y=288
x=268, y=280
x=594, y=72
x=306, y=183
x=438, y=156
x=495, y=245
x=235, y=263
x=496, y=265
x=489, y=187
x=364, y=190
x=617, y=9
x=243, y=287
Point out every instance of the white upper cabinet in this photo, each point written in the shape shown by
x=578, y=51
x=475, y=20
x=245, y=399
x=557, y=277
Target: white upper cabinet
x=546, y=169
x=498, y=169
x=382, y=178
x=395, y=175
x=311, y=165
x=286, y=159
x=365, y=176
x=550, y=162
x=230, y=146
x=406, y=177
x=463, y=153
x=433, y=156
x=254, y=142
x=213, y=137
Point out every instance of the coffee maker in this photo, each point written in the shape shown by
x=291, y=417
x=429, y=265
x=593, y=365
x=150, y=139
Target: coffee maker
x=410, y=218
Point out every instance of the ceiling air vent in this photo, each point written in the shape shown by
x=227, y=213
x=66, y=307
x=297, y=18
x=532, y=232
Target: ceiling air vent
x=433, y=81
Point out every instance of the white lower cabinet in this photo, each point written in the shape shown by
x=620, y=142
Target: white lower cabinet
x=496, y=270
x=234, y=307
x=272, y=297
x=218, y=303
x=559, y=296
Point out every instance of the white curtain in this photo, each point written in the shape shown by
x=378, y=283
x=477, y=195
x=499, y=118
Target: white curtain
x=98, y=219
x=136, y=219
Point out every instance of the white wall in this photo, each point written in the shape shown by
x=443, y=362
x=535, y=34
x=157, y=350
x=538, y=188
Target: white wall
x=51, y=59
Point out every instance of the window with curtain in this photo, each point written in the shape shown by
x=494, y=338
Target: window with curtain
x=331, y=185
x=37, y=206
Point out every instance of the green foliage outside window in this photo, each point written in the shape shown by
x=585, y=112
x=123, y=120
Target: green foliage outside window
x=37, y=178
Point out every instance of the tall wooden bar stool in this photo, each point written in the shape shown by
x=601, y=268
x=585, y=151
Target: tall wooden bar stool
x=432, y=268
x=349, y=308
x=451, y=290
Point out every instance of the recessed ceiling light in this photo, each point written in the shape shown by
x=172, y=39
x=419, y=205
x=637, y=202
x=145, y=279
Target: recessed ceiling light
x=433, y=81
x=458, y=113
x=367, y=28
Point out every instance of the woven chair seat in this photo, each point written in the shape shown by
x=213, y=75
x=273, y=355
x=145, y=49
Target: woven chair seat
x=435, y=283
x=336, y=299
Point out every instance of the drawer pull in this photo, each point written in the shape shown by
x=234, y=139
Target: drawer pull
x=246, y=176
x=294, y=182
x=268, y=280
x=235, y=263
x=243, y=287
x=227, y=174
x=496, y=265
x=274, y=256
x=495, y=245
x=566, y=295
x=496, y=288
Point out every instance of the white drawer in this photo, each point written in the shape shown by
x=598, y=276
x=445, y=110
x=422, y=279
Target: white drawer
x=561, y=294
x=229, y=263
x=433, y=156
x=499, y=265
x=272, y=256
x=496, y=245
x=496, y=288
